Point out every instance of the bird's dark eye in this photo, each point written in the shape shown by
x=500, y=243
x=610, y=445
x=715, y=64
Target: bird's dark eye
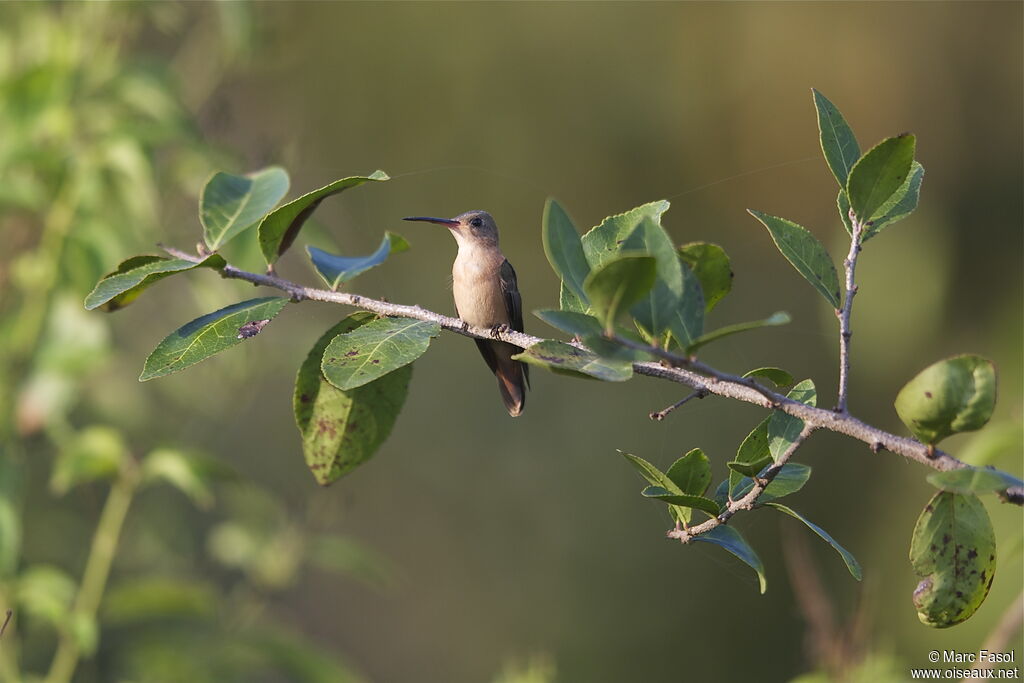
x=476, y=223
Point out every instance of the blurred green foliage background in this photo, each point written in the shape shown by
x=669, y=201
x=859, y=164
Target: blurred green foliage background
x=475, y=547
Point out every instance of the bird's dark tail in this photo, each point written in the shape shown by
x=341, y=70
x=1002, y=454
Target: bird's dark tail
x=512, y=386
x=513, y=376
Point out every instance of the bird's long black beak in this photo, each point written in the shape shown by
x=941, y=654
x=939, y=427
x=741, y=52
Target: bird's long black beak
x=448, y=222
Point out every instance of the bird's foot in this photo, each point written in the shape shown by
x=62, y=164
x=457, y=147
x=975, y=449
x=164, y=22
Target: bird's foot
x=500, y=328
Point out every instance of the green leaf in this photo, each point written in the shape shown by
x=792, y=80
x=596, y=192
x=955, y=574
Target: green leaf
x=230, y=204
x=879, y=174
x=953, y=550
x=589, y=330
x=577, y=324
x=805, y=252
x=655, y=477
x=688, y=322
x=342, y=429
x=374, y=349
x=752, y=452
x=848, y=558
x=654, y=311
x=212, y=333
x=681, y=499
x=618, y=284
x=952, y=396
x=790, y=479
x=46, y=593
x=748, y=469
x=603, y=242
x=121, y=287
x=691, y=473
x=564, y=358
x=837, y=140
x=337, y=270
x=730, y=539
x=900, y=205
x=784, y=429
x=777, y=376
x=189, y=474
x=973, y=480
x=711, y=265
x=279, y=229
x=568, y=301
x=142, y=600
x=775, y=319
x=94, y=453
x=564, y=249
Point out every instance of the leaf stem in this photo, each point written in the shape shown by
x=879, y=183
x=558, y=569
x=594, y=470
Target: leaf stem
x=692, y=373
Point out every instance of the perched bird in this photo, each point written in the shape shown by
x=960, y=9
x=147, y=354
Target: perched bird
x=487, y=295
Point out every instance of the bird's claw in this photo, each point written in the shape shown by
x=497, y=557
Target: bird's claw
x=500, y=328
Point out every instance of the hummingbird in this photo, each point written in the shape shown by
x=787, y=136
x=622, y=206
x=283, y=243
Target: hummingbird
x=487, y=295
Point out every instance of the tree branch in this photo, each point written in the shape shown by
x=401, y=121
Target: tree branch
x=697, y=376
x=845, y=333
x=748, y=501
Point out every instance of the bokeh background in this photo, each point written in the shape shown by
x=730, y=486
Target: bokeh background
x=475, y=547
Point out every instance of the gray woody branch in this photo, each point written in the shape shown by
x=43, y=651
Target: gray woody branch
x=845, y=333
x=699, y=377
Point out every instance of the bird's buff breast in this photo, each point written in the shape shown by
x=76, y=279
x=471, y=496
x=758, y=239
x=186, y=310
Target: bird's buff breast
x=477, y=289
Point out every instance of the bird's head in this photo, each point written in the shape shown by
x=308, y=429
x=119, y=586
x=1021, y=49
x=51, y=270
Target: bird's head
x=472, y=227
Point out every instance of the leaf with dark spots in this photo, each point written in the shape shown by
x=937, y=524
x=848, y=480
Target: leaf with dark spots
x=951, y=537
x=343, y=429
x=393, y=342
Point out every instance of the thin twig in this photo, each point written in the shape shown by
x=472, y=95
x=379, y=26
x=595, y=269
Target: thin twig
x=698, y=376
x=845, y=333
x=7, y=619
x=748, y=501
x=660, y=414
